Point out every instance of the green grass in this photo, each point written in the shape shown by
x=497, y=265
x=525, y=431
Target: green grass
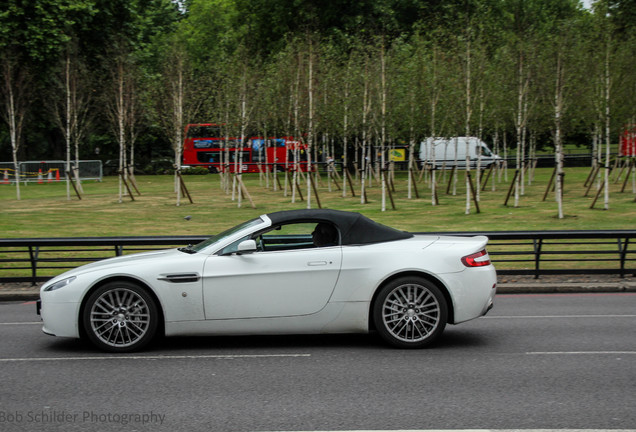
x=44, y=210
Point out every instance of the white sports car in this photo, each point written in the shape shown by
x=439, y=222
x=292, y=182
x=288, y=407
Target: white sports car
x=289, y=272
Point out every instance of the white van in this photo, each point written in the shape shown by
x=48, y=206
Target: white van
x=450, y=151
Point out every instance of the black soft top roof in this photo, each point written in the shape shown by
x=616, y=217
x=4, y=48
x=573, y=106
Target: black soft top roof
x=354, y=228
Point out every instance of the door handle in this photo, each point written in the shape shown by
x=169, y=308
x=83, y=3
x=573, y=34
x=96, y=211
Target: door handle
x=316, y=263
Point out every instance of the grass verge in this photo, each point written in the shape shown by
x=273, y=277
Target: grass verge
x=45, y=211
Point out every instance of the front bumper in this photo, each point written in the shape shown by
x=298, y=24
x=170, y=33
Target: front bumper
x=59, y=319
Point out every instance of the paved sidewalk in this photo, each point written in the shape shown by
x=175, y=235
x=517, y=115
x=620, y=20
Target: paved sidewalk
x=565, y=284
x=506, y=285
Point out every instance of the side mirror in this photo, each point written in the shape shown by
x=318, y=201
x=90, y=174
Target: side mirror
x=246, y=246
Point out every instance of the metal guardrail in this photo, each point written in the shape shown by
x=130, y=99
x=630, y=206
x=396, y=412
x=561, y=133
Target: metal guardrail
x=534, y=253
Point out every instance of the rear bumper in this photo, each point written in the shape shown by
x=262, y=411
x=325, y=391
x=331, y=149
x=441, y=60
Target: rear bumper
x=473, y=292
x=491, y=304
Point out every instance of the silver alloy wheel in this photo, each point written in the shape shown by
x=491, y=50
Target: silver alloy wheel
x=411, y=313
x=120, y=317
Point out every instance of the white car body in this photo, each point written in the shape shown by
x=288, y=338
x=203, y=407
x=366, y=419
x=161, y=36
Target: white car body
x=327, y=289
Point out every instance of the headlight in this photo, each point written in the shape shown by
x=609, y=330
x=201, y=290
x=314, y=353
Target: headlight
x=60, y=284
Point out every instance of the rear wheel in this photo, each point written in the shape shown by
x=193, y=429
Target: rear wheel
x=120, y=316
x=410, y=312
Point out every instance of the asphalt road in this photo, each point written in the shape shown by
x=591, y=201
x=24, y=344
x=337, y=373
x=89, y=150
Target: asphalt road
x=536, y=361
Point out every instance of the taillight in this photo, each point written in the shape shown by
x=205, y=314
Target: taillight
x=478, y=259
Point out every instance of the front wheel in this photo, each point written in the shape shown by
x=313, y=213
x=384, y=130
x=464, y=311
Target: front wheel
x=120, y=316
x=410, y=312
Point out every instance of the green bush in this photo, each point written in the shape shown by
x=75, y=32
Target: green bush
x=159, y=166
x=198, y=170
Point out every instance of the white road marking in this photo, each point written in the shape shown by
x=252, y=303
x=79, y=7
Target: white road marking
x=582, y=353
x=21, y=323
x=155, y=357
x=556, y=316
x=481, y=430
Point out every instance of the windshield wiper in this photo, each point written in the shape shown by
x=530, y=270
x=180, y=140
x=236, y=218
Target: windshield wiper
x=188, y=249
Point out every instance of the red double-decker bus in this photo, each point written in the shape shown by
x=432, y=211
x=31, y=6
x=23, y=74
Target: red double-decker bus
x=204, y=145
x=628, y=141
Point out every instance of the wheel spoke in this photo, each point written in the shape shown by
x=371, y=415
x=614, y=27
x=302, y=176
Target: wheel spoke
x=99, y=328
x=106, y=306
x=127, y=333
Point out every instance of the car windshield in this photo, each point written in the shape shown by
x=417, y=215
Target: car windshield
x=485, y=151
x=224, y=234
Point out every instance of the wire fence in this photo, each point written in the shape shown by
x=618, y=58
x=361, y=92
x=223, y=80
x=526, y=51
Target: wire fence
x=49, y=171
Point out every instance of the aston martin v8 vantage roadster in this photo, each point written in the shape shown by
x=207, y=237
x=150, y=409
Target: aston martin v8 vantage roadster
x=288, y=272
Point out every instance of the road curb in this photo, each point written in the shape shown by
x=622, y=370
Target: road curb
x=7, y=296
x=572, y=288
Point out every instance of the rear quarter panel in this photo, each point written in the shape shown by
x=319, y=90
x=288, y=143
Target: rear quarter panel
x=365, y=268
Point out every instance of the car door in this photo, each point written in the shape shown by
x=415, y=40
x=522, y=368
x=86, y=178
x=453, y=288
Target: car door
x=287, y=276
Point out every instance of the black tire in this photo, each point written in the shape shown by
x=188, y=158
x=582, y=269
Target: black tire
x=410, y=312
x=120, y=316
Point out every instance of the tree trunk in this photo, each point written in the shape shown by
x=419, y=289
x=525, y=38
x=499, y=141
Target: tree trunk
x=310, y=126
x=345, y=144
x=607, y=122
x=15, y=89
x=558, y=107
x=467, y=125
x=121, y=132
x=67, y=125
x=383, y=172
x=519, y=126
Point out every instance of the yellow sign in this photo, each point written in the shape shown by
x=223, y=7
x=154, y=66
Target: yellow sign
x=397, y=155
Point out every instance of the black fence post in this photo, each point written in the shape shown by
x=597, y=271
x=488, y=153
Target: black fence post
x=538, y=243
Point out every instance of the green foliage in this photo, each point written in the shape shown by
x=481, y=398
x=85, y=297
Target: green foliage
x=195, y=171
x=39, y=29
x=257, y=52
x=159, y=166
x=211, y=31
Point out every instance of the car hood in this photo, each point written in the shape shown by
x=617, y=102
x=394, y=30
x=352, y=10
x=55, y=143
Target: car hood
x=121, y=261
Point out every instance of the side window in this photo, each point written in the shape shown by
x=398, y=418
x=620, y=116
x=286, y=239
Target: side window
x=325, y=234
x=298, y=236
x=287, y=237
x=303, y=235
x=233, y=247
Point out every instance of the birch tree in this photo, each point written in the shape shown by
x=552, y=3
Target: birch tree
x=310, y=116
x=119, y=100
x=383, y=140
x=71, y=108
x=16, y=96
x=469, y=111
x=602, y=54
x=366, y=109
x=178, y=101
x=560, y=47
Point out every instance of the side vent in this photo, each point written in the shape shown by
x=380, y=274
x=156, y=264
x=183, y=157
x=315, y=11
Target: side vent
x=180, y=277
